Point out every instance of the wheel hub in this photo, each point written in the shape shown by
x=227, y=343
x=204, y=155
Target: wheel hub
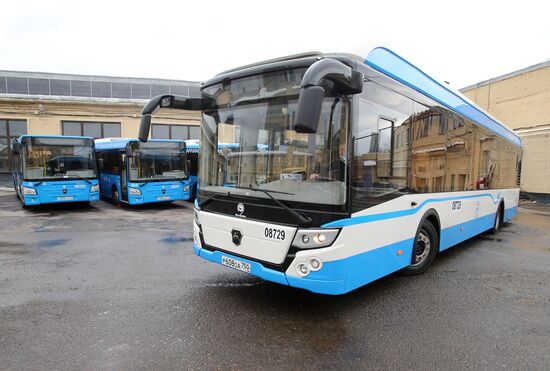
x=422, y=248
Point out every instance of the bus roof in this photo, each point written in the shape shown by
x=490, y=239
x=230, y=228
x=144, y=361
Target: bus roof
x=390, y=64
x=19, y=139
x=104, y=144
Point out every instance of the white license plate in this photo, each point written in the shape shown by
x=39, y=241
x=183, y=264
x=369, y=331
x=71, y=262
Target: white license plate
x=163, y=198
x=65, y=198
x=235, y=264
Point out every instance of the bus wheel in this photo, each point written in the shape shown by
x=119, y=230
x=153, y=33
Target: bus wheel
x=426, y=245
x=499, y=216
x=116, y=198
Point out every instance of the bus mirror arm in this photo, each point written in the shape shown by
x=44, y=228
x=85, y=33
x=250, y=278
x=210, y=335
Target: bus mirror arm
x=144, y=127
x=345, y=79
x=173, y=102
x=16, y=147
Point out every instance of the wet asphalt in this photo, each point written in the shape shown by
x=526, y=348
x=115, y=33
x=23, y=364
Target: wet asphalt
x=105, y=288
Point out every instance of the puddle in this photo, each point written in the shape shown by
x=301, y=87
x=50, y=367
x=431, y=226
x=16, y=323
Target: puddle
x=173, y=240
x=52, y=243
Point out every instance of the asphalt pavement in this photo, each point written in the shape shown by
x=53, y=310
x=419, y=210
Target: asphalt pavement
x=100, y=287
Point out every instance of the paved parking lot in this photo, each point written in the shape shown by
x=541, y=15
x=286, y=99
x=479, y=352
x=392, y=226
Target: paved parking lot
x=106, y=288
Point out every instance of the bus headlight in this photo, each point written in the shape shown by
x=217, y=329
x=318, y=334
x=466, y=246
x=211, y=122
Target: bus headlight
x=94, y=188
x=186, y=188
x=135, y=191
x=29, y=191
x=312, y=238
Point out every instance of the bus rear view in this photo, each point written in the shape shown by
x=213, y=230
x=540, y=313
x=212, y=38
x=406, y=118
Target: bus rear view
x=54, y=169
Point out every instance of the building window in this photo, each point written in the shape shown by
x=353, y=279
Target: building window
x=9, y=130
x=167, y=131
x=91, y=129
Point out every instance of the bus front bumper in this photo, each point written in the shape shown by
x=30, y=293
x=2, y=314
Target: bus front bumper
x=315, y=283
x=38, y=199
x=147, y=198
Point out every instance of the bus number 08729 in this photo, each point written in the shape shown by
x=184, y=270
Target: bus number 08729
x=274, y=234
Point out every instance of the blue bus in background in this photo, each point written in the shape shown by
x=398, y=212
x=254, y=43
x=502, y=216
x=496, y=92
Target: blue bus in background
x=133, y=172
x=192, y=150
x=53, y=169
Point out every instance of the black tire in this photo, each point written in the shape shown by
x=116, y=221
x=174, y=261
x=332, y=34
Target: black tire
x=426, y=247
x=499, y=219
x=116, y=198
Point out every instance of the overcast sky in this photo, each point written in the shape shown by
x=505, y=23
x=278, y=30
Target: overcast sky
x=462, y=42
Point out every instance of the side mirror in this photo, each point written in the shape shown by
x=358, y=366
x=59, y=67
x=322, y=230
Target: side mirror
x=144, y=127
x=16, y=147
x=345, y=80
x=308, y=113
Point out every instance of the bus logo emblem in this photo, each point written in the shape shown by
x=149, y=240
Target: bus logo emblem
x=64, y=190
x=240, y=208
x=236, y=237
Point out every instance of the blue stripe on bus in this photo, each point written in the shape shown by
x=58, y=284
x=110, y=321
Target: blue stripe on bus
x=400, y=213
x=363, y=268
x=344, y=275
x=510, y=213
x=456, y=234
x=256, y=268
x=340, y=276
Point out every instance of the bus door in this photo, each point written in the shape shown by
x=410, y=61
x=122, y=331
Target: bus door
x=124, y=177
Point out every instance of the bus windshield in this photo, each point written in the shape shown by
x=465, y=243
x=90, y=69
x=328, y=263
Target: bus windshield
x=156, y=161
x=59, y=158
x=272, y=156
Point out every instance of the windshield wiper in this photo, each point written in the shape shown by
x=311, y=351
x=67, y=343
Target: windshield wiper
x=212, y=198
x=79, y=177
x=304, y=219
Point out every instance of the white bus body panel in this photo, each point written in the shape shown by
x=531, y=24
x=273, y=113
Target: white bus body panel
x=217, y=229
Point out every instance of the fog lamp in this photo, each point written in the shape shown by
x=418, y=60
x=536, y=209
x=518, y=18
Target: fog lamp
x=315, y=264
x=303, y=269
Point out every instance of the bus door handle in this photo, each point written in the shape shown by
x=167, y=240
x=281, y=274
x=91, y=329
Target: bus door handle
x=414, y=203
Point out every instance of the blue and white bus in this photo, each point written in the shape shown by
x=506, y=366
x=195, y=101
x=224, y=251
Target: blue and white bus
x=135, y=173
x=401, y=168
x=54, y=169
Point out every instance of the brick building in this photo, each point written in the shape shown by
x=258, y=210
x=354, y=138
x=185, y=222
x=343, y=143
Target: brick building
x=96, y=106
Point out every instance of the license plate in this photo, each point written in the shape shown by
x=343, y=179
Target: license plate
x=65, y=198
x=235, y=264
x=163, y=198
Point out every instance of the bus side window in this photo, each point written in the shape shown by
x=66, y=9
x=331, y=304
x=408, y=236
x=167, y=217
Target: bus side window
x=381, y=145
x=100, y=161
